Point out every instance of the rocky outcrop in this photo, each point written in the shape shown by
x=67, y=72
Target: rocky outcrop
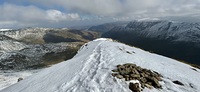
x=146, y=78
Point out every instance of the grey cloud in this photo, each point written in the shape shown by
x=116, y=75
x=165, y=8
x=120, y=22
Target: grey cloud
x=82, y=11
x=127, y=8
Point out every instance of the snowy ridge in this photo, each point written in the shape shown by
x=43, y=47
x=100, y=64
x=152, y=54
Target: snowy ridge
x=26, y=33
x=5, y=29
x=90, y=71
x=179, y=31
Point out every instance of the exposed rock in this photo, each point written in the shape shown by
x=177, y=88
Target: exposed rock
x=135, y=75
x=114, y=74
x=143, y=80
x=19, y=79
x=119, y=76
x=114, y=70
x=134, y=87
x=146, y=78
x=148, y=86
x=194, y=69
x=154, y=82
x=178, y=82
x=191, y=85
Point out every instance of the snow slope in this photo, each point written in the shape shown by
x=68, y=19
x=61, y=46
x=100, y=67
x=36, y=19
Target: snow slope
x=8, y=78
x=90, y=71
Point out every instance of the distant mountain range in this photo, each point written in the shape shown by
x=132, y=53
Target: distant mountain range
x=50, y=35
x=179, y=40
x=39, y=47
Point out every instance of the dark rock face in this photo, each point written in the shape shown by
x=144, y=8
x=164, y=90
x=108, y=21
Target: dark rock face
x=147, y=78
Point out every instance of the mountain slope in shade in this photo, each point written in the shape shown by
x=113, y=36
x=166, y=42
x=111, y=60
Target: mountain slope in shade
x=107, y=26
x=90, y=71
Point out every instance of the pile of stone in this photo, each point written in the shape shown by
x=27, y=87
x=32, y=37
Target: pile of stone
x=147, y=78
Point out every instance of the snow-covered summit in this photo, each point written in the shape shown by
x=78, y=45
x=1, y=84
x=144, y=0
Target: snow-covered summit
x=179, y=31
x=5, y=29
x=90, y=71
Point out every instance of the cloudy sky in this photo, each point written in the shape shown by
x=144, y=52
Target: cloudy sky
x=65, y=13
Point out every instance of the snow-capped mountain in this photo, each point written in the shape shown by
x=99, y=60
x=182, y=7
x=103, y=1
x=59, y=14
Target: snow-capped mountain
x=179, y=40
x=178, y=31
x=91, y=71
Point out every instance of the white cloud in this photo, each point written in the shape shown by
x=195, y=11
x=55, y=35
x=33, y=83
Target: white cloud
x=23, y=16
x=56, y=16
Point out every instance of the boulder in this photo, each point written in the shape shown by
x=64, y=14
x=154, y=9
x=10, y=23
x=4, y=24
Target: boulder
x=134, y=87
x=19, y=79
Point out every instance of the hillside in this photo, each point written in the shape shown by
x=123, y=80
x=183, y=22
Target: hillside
x=90, y=70
x=50, y=35
x=178, y=40
x=39, y=47
x=18, y=55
